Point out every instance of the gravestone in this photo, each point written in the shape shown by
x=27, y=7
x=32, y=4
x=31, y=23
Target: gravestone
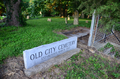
x=43, y=53
x=82, y=16
x=28, y=17
x=79, y=15
x=49, y=19
x=62, y=16
x=65, y=20
x=88, y=17
x=40, y=12
x=76, y=18
x=68, y=17
x=86, y=21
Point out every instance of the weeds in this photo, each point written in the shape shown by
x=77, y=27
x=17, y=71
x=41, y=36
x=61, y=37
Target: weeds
x=108, y=45
x=93, y=67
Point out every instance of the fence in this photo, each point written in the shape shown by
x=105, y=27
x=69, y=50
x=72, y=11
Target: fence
x=97, y=35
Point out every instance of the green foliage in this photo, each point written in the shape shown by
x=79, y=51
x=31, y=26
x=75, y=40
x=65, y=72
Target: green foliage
x=117, y=54
x=108, y=9
x=2, y=7
x=116, y=75
x=108, y=45
x=117, y=28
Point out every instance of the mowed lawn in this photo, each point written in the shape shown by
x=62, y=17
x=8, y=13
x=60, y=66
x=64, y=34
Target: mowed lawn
x=14, y=40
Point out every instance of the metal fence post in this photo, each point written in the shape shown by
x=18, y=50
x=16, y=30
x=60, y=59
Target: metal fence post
x=95, y=29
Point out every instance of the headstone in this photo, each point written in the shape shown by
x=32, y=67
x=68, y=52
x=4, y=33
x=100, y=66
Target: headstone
x=76, y=18
x=82, y=16
x=65, y=20
x=62, y=16
x=40, y=12
x=79, y=15
x=43, y=53
x=86, y=21
x=49, y=19
x=28, y=17
x=88, y=17
x=68, y=17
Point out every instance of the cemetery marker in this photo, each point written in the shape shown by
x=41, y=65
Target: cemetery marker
x=43, y=53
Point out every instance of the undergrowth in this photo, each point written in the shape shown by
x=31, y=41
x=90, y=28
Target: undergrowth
x=108, y=45
x=93, y=67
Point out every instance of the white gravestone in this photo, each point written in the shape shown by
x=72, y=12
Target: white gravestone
x=42, y=53
x=49, y=19
x=68, y=17
x=28, y=17
x=65, y=20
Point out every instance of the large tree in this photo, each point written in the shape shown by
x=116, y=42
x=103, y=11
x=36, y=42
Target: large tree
x=13, y=11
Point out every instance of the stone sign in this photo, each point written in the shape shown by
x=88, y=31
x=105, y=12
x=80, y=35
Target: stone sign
x=42, y=53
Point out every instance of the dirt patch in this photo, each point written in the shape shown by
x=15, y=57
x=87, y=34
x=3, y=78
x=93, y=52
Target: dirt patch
x=79, y=29
x=113, y=39
x=74, y=32
x=83, y=39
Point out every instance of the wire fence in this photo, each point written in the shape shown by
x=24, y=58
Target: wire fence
x=97, y=35
x=111, y=36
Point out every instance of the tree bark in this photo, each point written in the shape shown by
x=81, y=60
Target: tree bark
x=13, y=12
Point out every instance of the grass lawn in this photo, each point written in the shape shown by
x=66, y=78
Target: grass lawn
x=14, y=40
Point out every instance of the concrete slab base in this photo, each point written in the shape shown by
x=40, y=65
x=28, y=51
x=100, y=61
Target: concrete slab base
x=51, y=62
x=98, y=45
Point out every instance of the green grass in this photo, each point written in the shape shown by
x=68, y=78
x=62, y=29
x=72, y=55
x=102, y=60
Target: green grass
x=14, y=40
x=92, y=67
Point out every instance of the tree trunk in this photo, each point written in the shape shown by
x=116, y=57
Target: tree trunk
x=13, y=12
